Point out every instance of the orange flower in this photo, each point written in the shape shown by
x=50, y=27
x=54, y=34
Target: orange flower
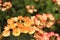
x=6, y=33
x=16, y=32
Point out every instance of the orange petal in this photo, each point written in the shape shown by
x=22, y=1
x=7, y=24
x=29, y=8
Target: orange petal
x=15, y=19
x=20, y=25
x=20, y=17
x=25, y=30
x=12, y=26
x=6, y=28
x=10, y=21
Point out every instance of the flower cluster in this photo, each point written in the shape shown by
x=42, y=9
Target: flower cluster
x=45, y=20
x=5, y=6
x=46, y=36
x=40, y=21
x=31, y=9
x=18, y=25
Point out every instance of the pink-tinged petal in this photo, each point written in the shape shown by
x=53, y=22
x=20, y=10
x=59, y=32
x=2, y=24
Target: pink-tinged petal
x=51, y=33
x=58, y=38
x=51, y=17
x=37, y=15
x=56, y=35
x=0, y=1
x=37, y=22
x=33, y=17
x=44, y=17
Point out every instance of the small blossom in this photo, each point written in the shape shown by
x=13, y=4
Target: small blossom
x=31, y=31
x=51, y=17
x=49, y=24
x=8, y=5
x=16, y=32
x=6, y=33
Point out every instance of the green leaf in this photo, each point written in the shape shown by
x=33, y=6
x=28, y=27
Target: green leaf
x=56, y=16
